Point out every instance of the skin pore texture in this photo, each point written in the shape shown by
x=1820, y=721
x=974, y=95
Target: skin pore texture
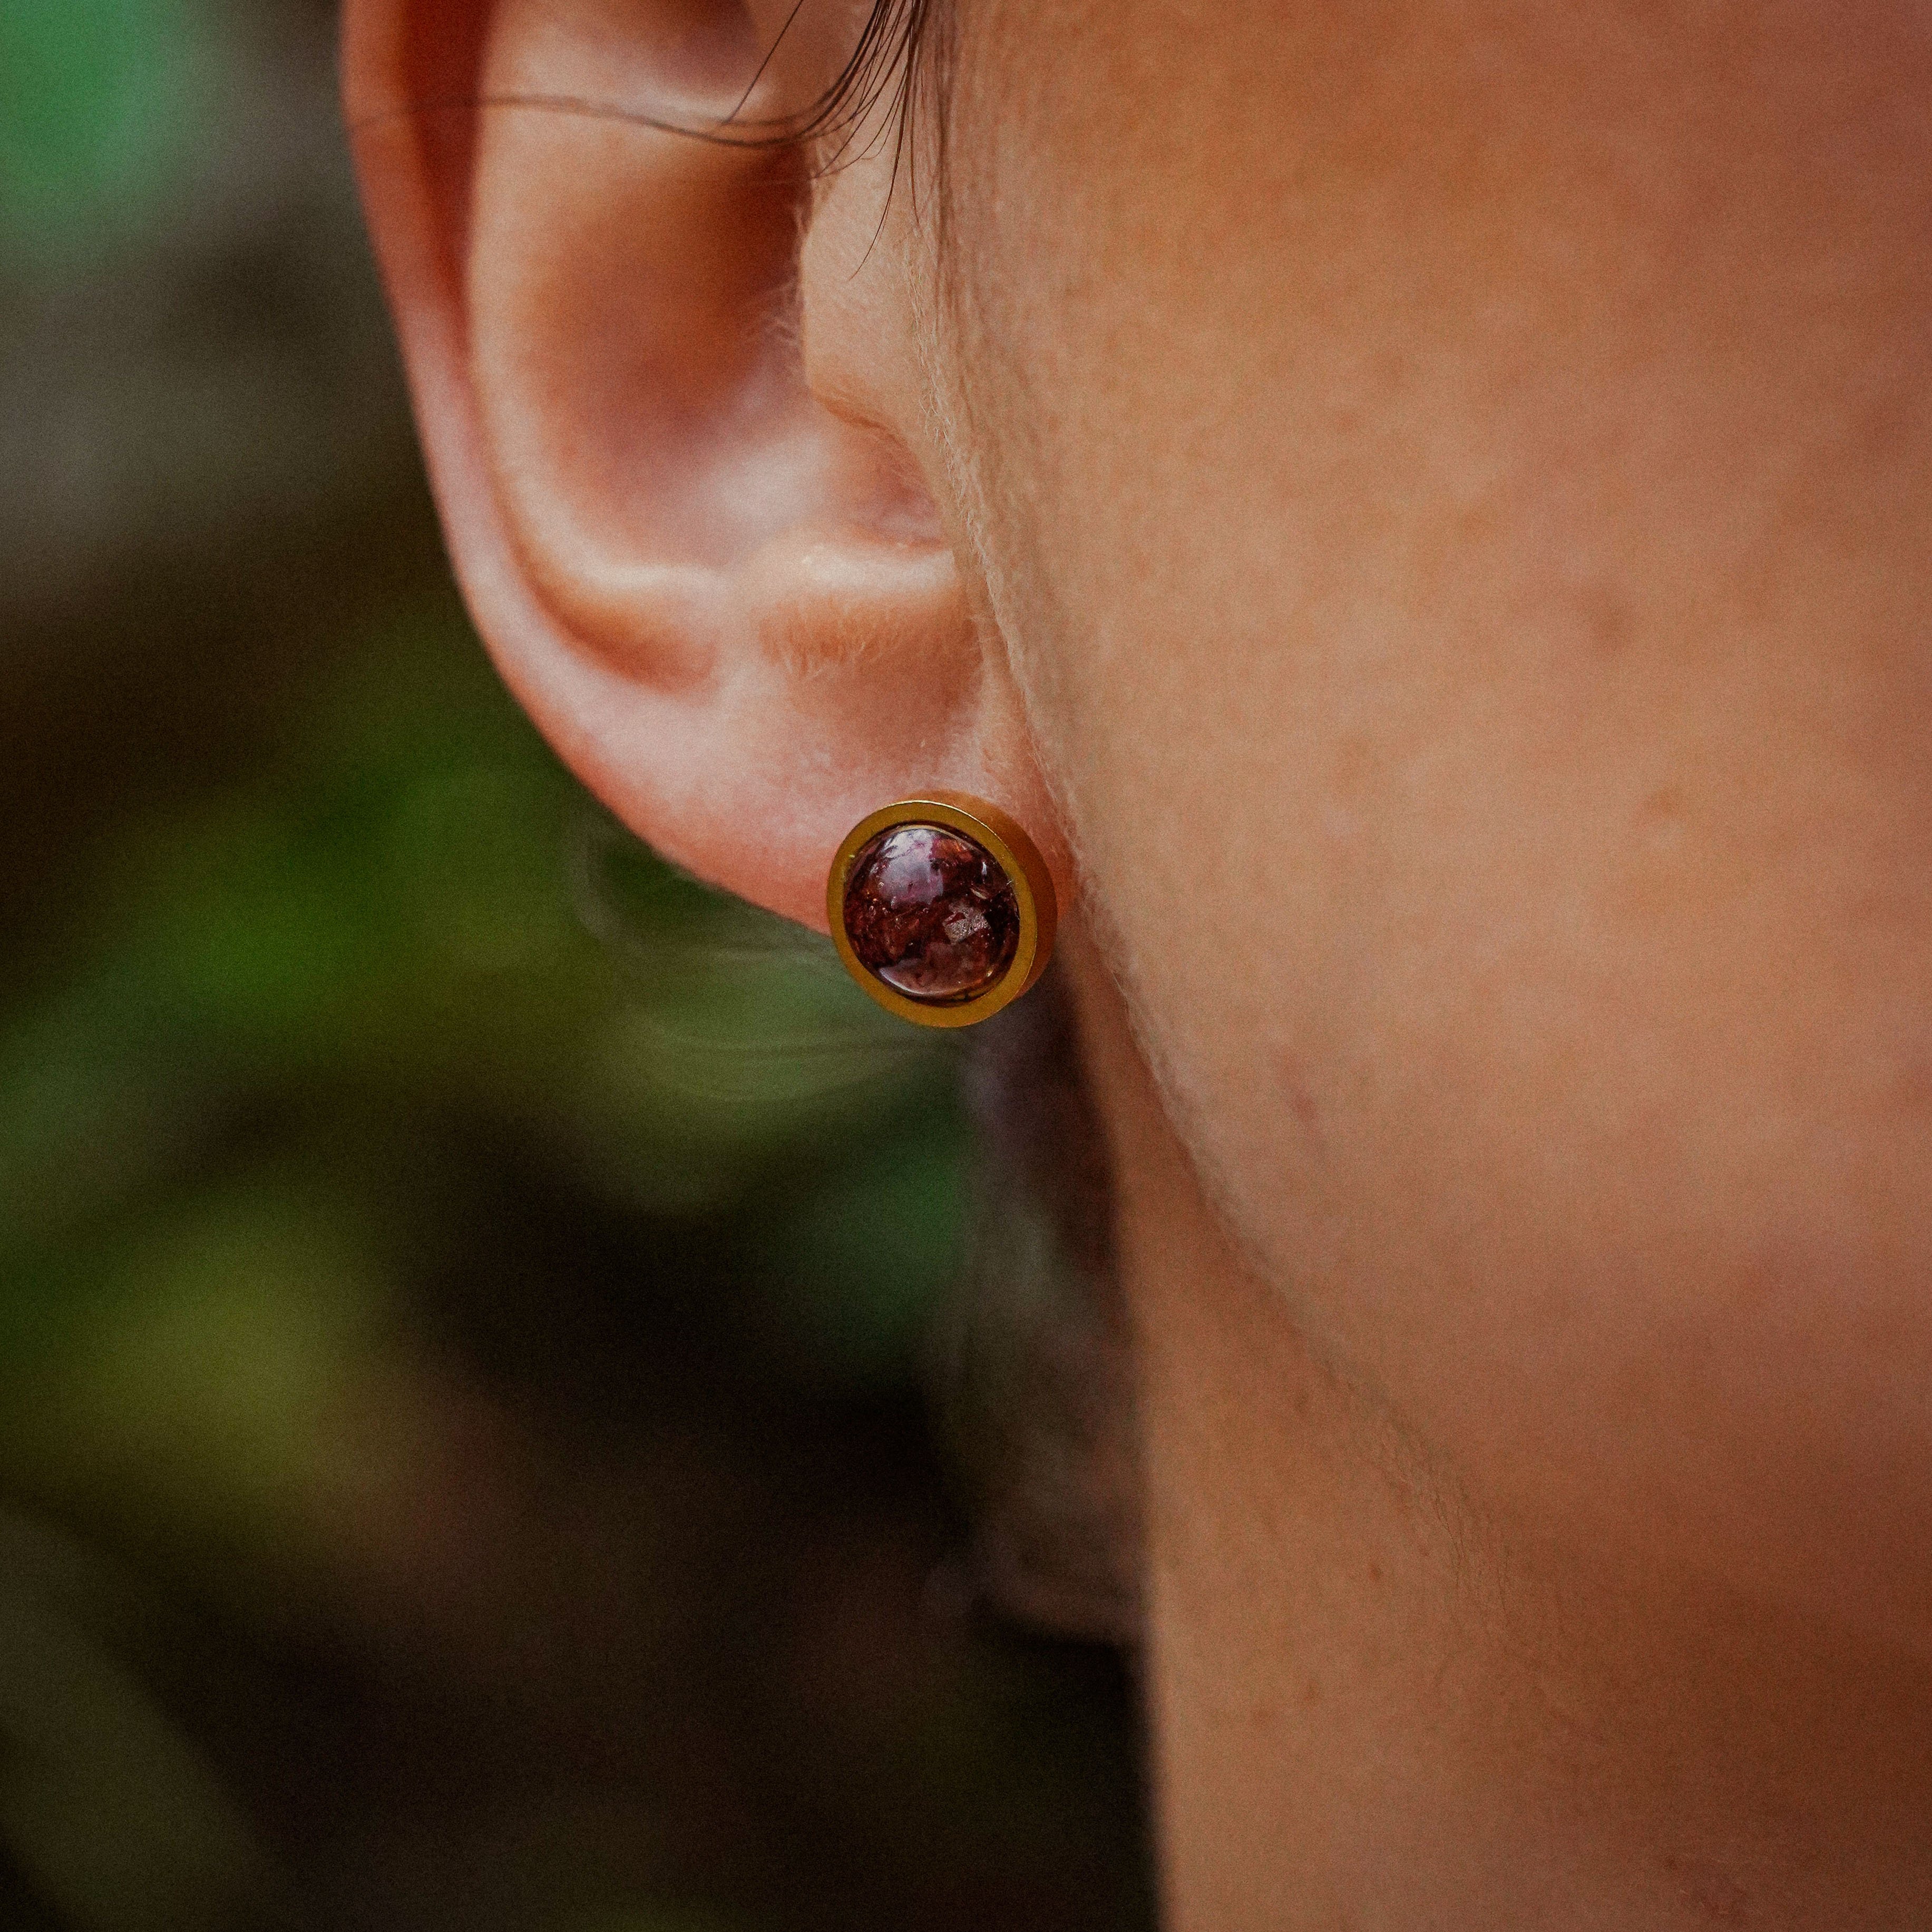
x=1423, y=511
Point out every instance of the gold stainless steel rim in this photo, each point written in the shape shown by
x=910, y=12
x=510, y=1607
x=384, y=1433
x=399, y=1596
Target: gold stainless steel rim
x=1016, y=855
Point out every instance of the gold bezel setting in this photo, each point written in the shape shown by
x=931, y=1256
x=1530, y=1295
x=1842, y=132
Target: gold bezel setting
x=1016, y=855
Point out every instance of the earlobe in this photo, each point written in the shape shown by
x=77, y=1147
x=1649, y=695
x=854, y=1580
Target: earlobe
x=729, y=597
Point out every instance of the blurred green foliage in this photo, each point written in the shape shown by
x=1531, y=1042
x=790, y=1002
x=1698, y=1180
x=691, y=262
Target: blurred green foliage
x=98, y=103
x=217, y=1123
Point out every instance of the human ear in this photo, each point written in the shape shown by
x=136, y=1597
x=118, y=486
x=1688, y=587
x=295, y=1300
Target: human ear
x=670, y=390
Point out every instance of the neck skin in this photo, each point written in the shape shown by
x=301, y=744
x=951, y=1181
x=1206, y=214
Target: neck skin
x=1372, y=1710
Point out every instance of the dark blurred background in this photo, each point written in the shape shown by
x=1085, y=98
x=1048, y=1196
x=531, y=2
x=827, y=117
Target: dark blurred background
x=467, y=1294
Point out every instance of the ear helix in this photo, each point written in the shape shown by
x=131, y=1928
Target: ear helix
x=942, y=909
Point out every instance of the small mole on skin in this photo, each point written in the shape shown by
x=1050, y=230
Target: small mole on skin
x=1606, y=613
x=1301, y=1102
x=1660, y=816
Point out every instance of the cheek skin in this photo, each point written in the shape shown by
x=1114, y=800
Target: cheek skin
x=1456, y=486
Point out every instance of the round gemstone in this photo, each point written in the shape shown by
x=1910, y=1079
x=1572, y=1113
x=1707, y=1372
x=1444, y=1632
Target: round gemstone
x=930, y=913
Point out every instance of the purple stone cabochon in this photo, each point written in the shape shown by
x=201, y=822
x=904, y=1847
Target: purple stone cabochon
x=930, y=913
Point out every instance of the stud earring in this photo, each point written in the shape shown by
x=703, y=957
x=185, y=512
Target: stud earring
x=942, y=909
